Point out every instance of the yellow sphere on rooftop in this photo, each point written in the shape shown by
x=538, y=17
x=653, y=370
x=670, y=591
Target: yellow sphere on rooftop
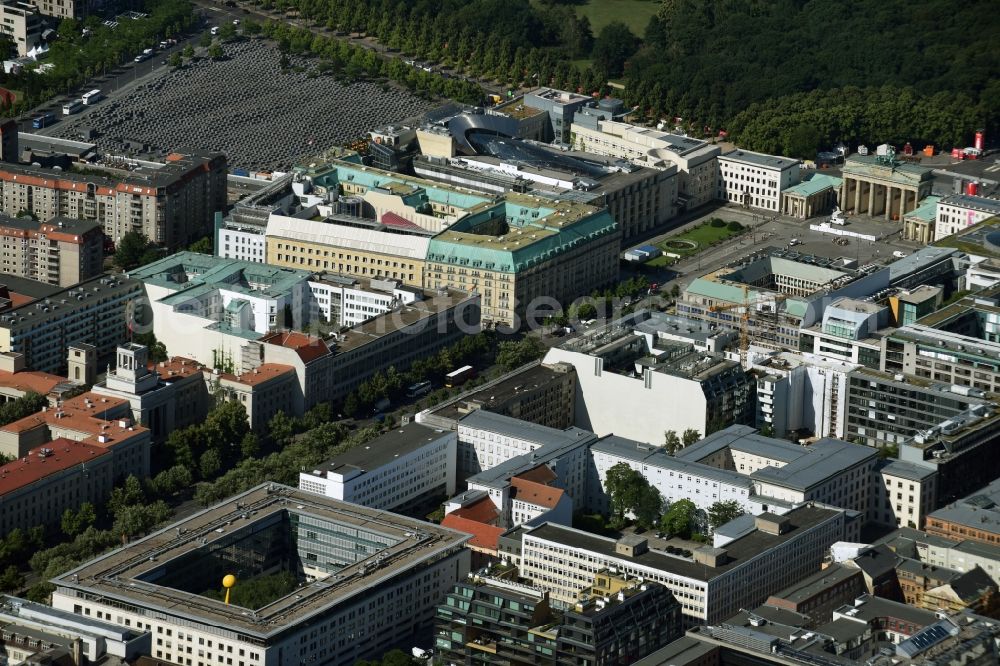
x=229, y=580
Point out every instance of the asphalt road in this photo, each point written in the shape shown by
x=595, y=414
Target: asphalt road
x=767, y=229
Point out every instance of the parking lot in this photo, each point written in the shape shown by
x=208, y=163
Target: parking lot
x=245, y=105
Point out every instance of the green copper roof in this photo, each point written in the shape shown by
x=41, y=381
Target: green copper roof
x=927, y=210
x=730, y=293
x=815, y=184
x=203, y=272
x=535, y=234
x=414, y=191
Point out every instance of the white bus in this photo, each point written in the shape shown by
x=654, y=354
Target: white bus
x=69, y=108
x=93, y=97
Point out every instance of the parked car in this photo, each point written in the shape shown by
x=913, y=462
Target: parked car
x=899, y=254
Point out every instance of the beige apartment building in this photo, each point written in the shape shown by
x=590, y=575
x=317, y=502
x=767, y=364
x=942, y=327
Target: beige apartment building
x=351, y=246
x=61, y=252
x=264, y=391
x=67, y=8
x=173, y=203
x=21, y=22
x=525, y=254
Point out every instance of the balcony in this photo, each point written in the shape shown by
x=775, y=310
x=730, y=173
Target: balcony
x=482, y=646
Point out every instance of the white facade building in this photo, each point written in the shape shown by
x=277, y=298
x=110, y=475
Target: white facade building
x=961, y=211
x=487, y=440
x=711, y=585
x=694, y=158
x=349, y=301
x=637, y=386
x=675, y=479
x=243, y=242
x=801, y=392
x=830, y=471
x=383, y=575
x=400, y=469
x=905, y=494
x=755, y=180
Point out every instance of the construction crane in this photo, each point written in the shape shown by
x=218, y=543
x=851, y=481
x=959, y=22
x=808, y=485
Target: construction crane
x=744, y=322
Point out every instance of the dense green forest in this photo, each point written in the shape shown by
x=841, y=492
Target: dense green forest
x=889, y=70
x=780, y=75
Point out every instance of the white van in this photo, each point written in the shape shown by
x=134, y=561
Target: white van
x=215, y=30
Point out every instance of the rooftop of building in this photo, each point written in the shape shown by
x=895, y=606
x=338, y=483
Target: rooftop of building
x=122, y=576
x=484, y=535
x=42, y=461
x=971, y=202
x=906, y=470
x=188, y=274
x=494, y=395
x=827, y=458
x=28, y=289
x=814, y=183
x=560, y=96
x=870, y=609
x=656, y=456
x=675, y=143
x=141, y=174
x=42, y=383
x=382, y=450
x=88, y=414
x=59, y=227
x=537, y=494
x=176, y=368
x=981, y=240
x=518, y=233
x=627, y=352
x=685, y=650
x=307, y=347
x=759, y=159
x=937, y=323
x=14, y=608
x=330, y=175
x=918, y=295
x=979, y=510
x=518, y=109
x=405, y=316
x=920, y=260
x=523, y=430
x=873, y=166
x=738, y=552
x=926, y=211
x=262, y=374
x=816, y=584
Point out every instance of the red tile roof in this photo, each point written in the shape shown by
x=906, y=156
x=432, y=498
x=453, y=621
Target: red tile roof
x=394, y=220
x=309, y=348
x=176, y=368
x=32, y=468
x=481, y=511
x=483, y=536
x=535, y=493
x=541, y=474
x=29, y=380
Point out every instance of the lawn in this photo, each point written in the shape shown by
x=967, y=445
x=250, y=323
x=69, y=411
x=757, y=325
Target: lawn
x=633, y=13
x=701, y=237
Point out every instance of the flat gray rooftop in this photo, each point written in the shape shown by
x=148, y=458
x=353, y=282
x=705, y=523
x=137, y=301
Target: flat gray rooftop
x=518, y=429
x=759, y=159
x=118, y=576
x=740, y=551
x=821, y=460
x=384, y=449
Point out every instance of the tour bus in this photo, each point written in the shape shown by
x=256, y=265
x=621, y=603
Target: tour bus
x=93, y=97
x=418, y=389
x=459, y=377
x=69, y=108
x=43, y=120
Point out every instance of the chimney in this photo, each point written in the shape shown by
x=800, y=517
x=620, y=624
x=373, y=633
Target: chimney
x=711, y=557
x=770, y=523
